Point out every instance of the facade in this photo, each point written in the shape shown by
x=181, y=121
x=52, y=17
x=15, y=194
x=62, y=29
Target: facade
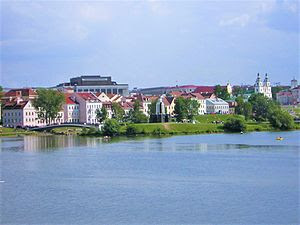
x=294, y=83
x=200, y=99
x=285, y=98
x=71, y=110
x=94, y=84
x=263, y=87
x=88, y=106
x=217, y=106
x=20, y=93
x=23, y=114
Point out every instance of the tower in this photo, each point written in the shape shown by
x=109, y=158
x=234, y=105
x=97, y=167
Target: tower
x=267, y=87
x=258, y=86
x=294, y=83
x=263, y=87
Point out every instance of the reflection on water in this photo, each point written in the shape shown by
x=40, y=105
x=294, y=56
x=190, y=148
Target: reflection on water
x=190, y=143
x=209, y=179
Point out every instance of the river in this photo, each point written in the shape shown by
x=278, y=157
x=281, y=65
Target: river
x=192, y=179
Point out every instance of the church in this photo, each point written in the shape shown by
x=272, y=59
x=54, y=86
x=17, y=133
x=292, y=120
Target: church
x=263, y=87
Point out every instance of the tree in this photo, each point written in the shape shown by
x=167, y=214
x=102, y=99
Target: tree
x=136, y=115
x=247, y=110
x=1, y=92
x=240, y=105
x=101, y=115
x=48, y=104
x=235, y=125
x=152, y=108
x=260, y=106
x=237, y=91
x=221, y=92
x=180, y=109
x=281, y=119
x=218, y=91
x=111, y=127
x=275, y=90
x=192, y=107
x=118, y=111
x=185, y=108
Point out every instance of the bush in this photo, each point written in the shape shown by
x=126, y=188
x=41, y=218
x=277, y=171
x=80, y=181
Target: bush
x=235, y=125
x=131, y=130
x=281, y=119
x=158, y=131
x=111, y=127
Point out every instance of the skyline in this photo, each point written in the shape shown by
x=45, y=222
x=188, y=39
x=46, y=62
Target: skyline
x=149, y=43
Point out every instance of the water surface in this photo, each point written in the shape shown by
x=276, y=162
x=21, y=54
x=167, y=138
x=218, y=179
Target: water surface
x=193, y=179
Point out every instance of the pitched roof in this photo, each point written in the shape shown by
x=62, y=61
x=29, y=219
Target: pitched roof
x=127, y=105
x=20, y=92
x=88, y=96
x=15, y=105
x=205, y=89
x=69, y=100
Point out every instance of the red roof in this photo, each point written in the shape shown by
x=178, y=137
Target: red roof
x=87, y=96
x=205, y=89
x=68, y=99
x=20, y=92
x=127, y=105
x=15, y=105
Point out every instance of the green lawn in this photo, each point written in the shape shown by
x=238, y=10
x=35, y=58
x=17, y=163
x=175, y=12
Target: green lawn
x=215, y=117
x=5, y=131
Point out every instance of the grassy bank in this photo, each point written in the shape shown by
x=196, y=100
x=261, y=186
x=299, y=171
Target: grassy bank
x=4, y=131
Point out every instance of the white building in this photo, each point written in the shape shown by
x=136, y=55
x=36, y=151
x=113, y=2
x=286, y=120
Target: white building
x=71, y=109
x=263, y=87
x=88, y=106
x=217, y=106
x=21, y=113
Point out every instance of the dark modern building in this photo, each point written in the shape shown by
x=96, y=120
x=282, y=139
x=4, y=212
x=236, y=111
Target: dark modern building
x=95, y=83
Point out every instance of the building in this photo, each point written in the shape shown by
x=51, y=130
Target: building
x=294, y=83
x=200, y=99
x=263, y=87
x=21, y=93
x=217, y=106
x=71, y=109
x=22, y=113
x=94, y=84
x=88, y=106
x=285, y=98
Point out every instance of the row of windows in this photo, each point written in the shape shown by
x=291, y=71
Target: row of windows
x=12, y=114
x=74, y=107
x=93, y=107
x=106, y=91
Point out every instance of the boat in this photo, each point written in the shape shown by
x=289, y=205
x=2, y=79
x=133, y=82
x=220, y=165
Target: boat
x=279, y=138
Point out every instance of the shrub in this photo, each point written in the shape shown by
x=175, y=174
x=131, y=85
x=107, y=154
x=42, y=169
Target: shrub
x=131, y=130
x=158, y=131
x=281, y=119
x=235, y=125
x=111, y=127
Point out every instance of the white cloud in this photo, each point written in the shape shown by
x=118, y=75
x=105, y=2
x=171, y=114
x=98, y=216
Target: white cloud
x=240, y=21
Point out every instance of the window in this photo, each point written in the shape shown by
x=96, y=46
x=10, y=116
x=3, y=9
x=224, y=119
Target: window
x=103, y=90
x=108, y=91
x=115, y=91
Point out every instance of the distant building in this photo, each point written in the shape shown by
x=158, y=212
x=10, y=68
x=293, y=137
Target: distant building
x=94, y=84
x=217, y=106
x=263, y=87
x=294, y=83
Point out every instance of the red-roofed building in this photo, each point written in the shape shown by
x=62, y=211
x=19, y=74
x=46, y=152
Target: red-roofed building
x=71, y=109
x=88, y=106
x=21, y=93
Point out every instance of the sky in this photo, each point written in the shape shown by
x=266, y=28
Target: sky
x=149, y=43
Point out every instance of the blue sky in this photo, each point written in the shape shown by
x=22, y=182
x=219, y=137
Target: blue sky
x=149, y=43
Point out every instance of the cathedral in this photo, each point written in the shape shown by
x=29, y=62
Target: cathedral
x=263, y=87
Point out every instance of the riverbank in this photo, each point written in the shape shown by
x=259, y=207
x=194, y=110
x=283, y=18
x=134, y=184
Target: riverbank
x=5, y=132
x=205, y=124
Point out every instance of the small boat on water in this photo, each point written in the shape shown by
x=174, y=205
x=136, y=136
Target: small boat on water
x=279, y=138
